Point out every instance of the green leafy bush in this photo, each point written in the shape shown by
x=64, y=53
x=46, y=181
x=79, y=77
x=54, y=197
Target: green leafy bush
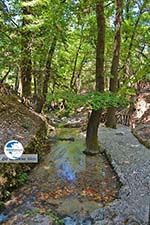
x=93, y=100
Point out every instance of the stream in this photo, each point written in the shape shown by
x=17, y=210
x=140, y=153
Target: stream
x=68, y=182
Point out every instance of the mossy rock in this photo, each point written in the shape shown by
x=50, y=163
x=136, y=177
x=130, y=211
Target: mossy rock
x=18, y=122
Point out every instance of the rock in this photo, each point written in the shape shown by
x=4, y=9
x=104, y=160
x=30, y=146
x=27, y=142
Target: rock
x=131, y=161
x=69, y=221
x=141, y=116
x=77, y=221
x=104, y=222
x=120, y=133
x=98, y=214
x=42, y=220
x=132, y=221
x=87, y=221
x=142, y=133
x=18, y=122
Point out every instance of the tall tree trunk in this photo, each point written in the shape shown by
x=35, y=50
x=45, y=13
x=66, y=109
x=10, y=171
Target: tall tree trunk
x=26, y=64
x=75, y=62
x=92, y=146
x=41, y=95
x=111, y=119
x=48, y=67
x=77, y=80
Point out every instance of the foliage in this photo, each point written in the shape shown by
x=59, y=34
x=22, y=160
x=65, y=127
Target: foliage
x=93, y=100
x=73, y=64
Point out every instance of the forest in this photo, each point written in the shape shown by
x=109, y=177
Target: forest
x=75, y=89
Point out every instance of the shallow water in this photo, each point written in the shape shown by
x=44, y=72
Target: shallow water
x=77, y=184
x=70, y=183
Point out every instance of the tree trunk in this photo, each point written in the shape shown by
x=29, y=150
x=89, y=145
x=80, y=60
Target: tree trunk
x=37, y=98
x=48, y=68
x=41, y=94
x=111, y=119
x=77, y=81
x=75, y=62
x=26, y=64
x=92, y=146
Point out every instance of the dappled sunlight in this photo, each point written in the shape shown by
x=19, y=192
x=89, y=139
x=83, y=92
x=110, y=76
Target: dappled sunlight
x=141, y=107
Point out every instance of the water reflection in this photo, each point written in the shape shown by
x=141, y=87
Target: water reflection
x=75, y=174
x=69, y=159
x=65, y=171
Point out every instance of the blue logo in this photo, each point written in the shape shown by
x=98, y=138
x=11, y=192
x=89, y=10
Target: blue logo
x=13, y=149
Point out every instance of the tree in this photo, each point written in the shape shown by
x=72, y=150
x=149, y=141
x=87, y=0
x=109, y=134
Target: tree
x=92, y=146
x=28, y=48
x=111, y=118
x=9, y=43
x=26, y=63
x=41, y=99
